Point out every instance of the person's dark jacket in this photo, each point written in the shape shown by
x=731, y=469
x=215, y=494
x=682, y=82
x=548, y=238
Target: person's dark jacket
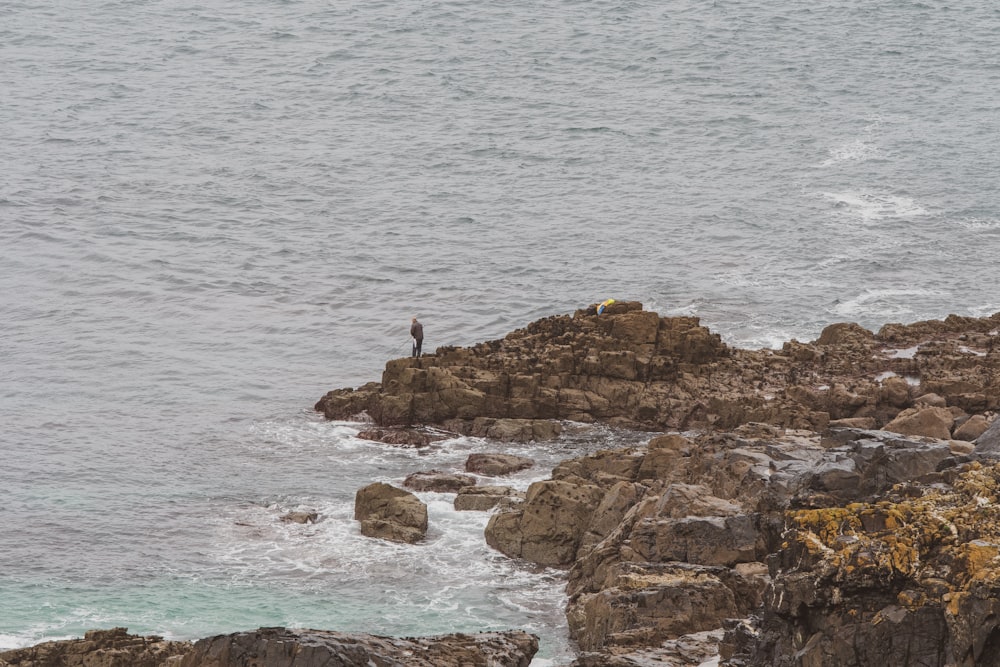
x=417, y=331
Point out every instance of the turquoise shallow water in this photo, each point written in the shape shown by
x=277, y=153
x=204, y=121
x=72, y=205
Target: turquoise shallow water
x=212, y=214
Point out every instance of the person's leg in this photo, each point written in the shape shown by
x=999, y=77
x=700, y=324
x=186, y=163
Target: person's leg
x=420, y=344
x=415, y=348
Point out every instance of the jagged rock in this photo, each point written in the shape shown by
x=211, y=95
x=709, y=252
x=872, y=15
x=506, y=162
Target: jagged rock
x=485, y=498
x=634, y=368
x=646, y=603
x=441, y=482
x=702, y=540
x=912, y=579
x=690, y=650
x=98, y=648
x=300, y=517
x=280, y=647
x=405, y=437
x=668, y=539
x=845, y=333
x=390, y=513
x=548, y=527
x=617, y=501
x=507, y=430
x=496, y=465
x=933, y=422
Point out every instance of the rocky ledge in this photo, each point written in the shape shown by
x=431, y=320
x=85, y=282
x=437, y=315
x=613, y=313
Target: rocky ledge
x=829, y=503
x=633, y=368
x=280, y=647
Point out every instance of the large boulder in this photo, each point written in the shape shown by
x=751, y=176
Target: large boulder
x=389, y=513
x=496, y=465
x=971, y=428
x=405, y=437
x=436, y=480
x=646, y=604
x=507, y=430
x=281, y=647
x=932, y=422
x=548, y=527
x=485, y=498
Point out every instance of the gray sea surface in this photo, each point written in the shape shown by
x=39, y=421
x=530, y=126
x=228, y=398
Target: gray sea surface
x=213, y=213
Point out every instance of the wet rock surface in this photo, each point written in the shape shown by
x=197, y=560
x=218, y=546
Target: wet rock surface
x=436, y=480
x=389, y=513
x=281, y=647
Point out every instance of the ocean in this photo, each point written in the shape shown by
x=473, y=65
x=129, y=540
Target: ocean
x=213, y=213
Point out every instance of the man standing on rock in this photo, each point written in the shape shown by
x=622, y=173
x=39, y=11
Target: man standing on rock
x=417, y=333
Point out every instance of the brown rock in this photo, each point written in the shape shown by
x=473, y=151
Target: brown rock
x=496, y=465
x=924, y=421
x=896, y=392
x=845, y=333
x=485, y=498
x=98, y=648
x=931, y=400
x=635, y=369
x=406, y=437
x=973, y=427
x=548, y=527
x=300, y=517
x=649, y=604
x=441, y=482
x=280, y=647
x=389, y=513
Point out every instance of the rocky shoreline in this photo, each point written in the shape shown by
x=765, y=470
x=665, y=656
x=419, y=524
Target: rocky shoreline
x=828, y=503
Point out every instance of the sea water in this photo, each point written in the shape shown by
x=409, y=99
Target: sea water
x=212, y=213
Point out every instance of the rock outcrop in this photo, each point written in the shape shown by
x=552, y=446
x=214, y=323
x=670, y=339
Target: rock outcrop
x=678, y=537
x=280, y=647
x=828, y=495
x=436, y=480
x=496, y=465
x=485, y=498
x=633, y=368
x=99, y=648
x=389, y=513
x=913, y=578
x=828, y=503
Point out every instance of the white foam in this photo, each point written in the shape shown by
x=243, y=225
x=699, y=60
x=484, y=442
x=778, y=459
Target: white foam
x=857, y=150
x=870, y=206
x=883, y=305
x=912, y=380
x=903, y=353
x=968, y=350
x=978, y=224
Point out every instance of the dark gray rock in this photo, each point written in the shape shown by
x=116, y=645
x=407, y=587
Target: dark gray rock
x=280, y=647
